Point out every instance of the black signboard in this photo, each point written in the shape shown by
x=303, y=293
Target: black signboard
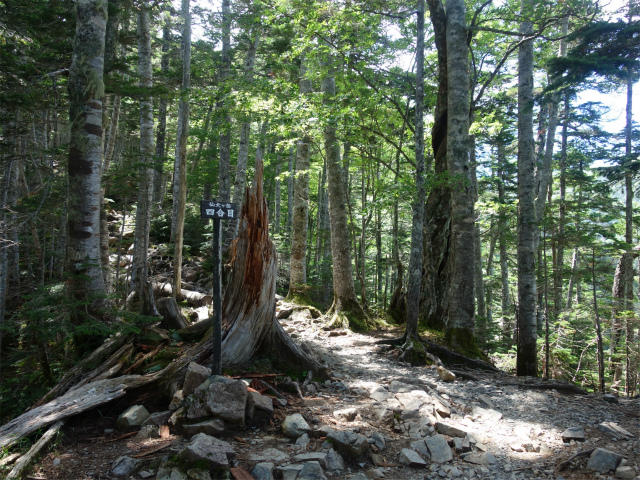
x=221, y=210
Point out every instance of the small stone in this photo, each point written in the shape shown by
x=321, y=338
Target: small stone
x=476, y=458
x=516, y=447
x=295, y=425
x=145, y=473
x=288, y=472
x=420, y=447
x=450, y=430
x=319, y=457
x=194, y=377
x=133, y=416
x=603, y=460
x=378, y=440
x=213, y=427
x=271, y=454
x=445, y=374
x=346, y=414
x=573, y=433
x=607, y=397
x=311, y=471
x=439, y=449
x=158, y=418
x=625, y=472
x=375, y=473
x=56, y=462
x=486, y=414
x=359, y=476
x=124, y=466
x=335, y=462
x=349, y=444
x=411, y=458
x=303, y=442
x=167, y=472
x=263, y=471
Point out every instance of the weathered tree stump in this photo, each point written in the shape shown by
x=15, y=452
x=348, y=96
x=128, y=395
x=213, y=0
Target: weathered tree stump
x=172, y=317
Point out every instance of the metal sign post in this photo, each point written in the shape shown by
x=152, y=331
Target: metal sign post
x=217, y=211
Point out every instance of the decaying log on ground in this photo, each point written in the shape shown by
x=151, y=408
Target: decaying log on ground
x=195, y=332
x=72, y=377
x=143, y=359
x=195, y=299
x=72, y=403
x=108, y=368
x=26, y=459
x=449, y=357
x=172, y=317
x=546, y=385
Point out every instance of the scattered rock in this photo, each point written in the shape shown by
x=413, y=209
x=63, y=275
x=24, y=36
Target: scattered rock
x=259, y=408
x=615, y=430
x=271, y=454
x=450, y=430
x=346, y=414
x=378, y=440
x=176, y=400
x=226, y=401
x=195, y=376
x=311, y=471
x=411, y=458
x=476, y=458
x=212, y=427
x=205, y=448
x=146, y=432
x=486, y=414
x=573, y=433
x=334, y=461
x=445, y=374
x=288, y=472
x=607, y=397
x=158, y=418
x=263, y=471
x=603, y=461
x=123, y=466
x=133, y=416
x=625, y=472
x=198, y=474
x=439, y=449
x=349, y=444
x=295, y=425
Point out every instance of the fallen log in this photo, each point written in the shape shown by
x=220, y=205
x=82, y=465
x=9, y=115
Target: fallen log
x=24, y=461
x=72, y=377
x=109, y=368
x=196, y=299
x=72, y=403
x=560, y=386
x=196, y=331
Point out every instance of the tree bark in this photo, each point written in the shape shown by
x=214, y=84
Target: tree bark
x=86, y=92
x=161, y=132
x=461, y=318
x=300, y=224
x=417, y=242
x=527, y=360
x=224, y=186
x=180, y=168
x=139, y=271
x=345, y=305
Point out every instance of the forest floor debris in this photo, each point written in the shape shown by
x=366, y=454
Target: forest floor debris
x=494, y=427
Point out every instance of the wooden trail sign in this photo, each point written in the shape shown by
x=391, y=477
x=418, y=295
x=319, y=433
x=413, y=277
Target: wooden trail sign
x=217, y=211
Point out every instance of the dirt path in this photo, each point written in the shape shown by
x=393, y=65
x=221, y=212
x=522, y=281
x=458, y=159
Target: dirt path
x=495, y=431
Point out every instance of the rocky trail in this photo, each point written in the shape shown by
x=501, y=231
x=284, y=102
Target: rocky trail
x=377, y=419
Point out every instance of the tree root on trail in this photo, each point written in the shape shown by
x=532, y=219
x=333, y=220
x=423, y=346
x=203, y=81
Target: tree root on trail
x=563, y=465
x=546, y=385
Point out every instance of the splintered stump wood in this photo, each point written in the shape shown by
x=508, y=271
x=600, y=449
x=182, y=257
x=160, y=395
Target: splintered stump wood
x=249, y=305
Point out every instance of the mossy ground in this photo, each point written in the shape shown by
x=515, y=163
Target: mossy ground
x=463, y=341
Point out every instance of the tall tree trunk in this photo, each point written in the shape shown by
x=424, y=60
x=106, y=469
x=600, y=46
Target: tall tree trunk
x=436, y=281
x=600, y=348
x=245, y=130
x=278, y=195
x=139, y=271
x=461, y=318
x=345, y=308
x=527, y=360
x=224, y=171
x=477, y=241
x=290, y=182
x=161, y=132
x=631, y=376
x=298, y=264
x=417, y=225
x=180, y=168
x=558, y=265
x=86, y=92
x=9, y=183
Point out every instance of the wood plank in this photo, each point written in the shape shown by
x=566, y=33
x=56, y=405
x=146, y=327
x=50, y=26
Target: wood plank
x=240, y=473
x=24, y=461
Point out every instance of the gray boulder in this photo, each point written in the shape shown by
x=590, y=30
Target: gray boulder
x=226, y=401
x=146, y=432
x=334, y=461
x=133, y=416
x=311, y=471
x=124, y=466
x=212, y=427
x=450, y=430
x=439, y=449
x=420, y=447
x=573, y=433
x=349, y=444
x=411, y=458
x=263, y=471
x=259, y=408
x=603, y=461
x=288, y=472
x=295, y=425
x=158, y=418
x=195, y=376
x=215, y=453
x=319, y=457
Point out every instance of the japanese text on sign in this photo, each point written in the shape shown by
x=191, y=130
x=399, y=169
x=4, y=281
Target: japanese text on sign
x=220, y=210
